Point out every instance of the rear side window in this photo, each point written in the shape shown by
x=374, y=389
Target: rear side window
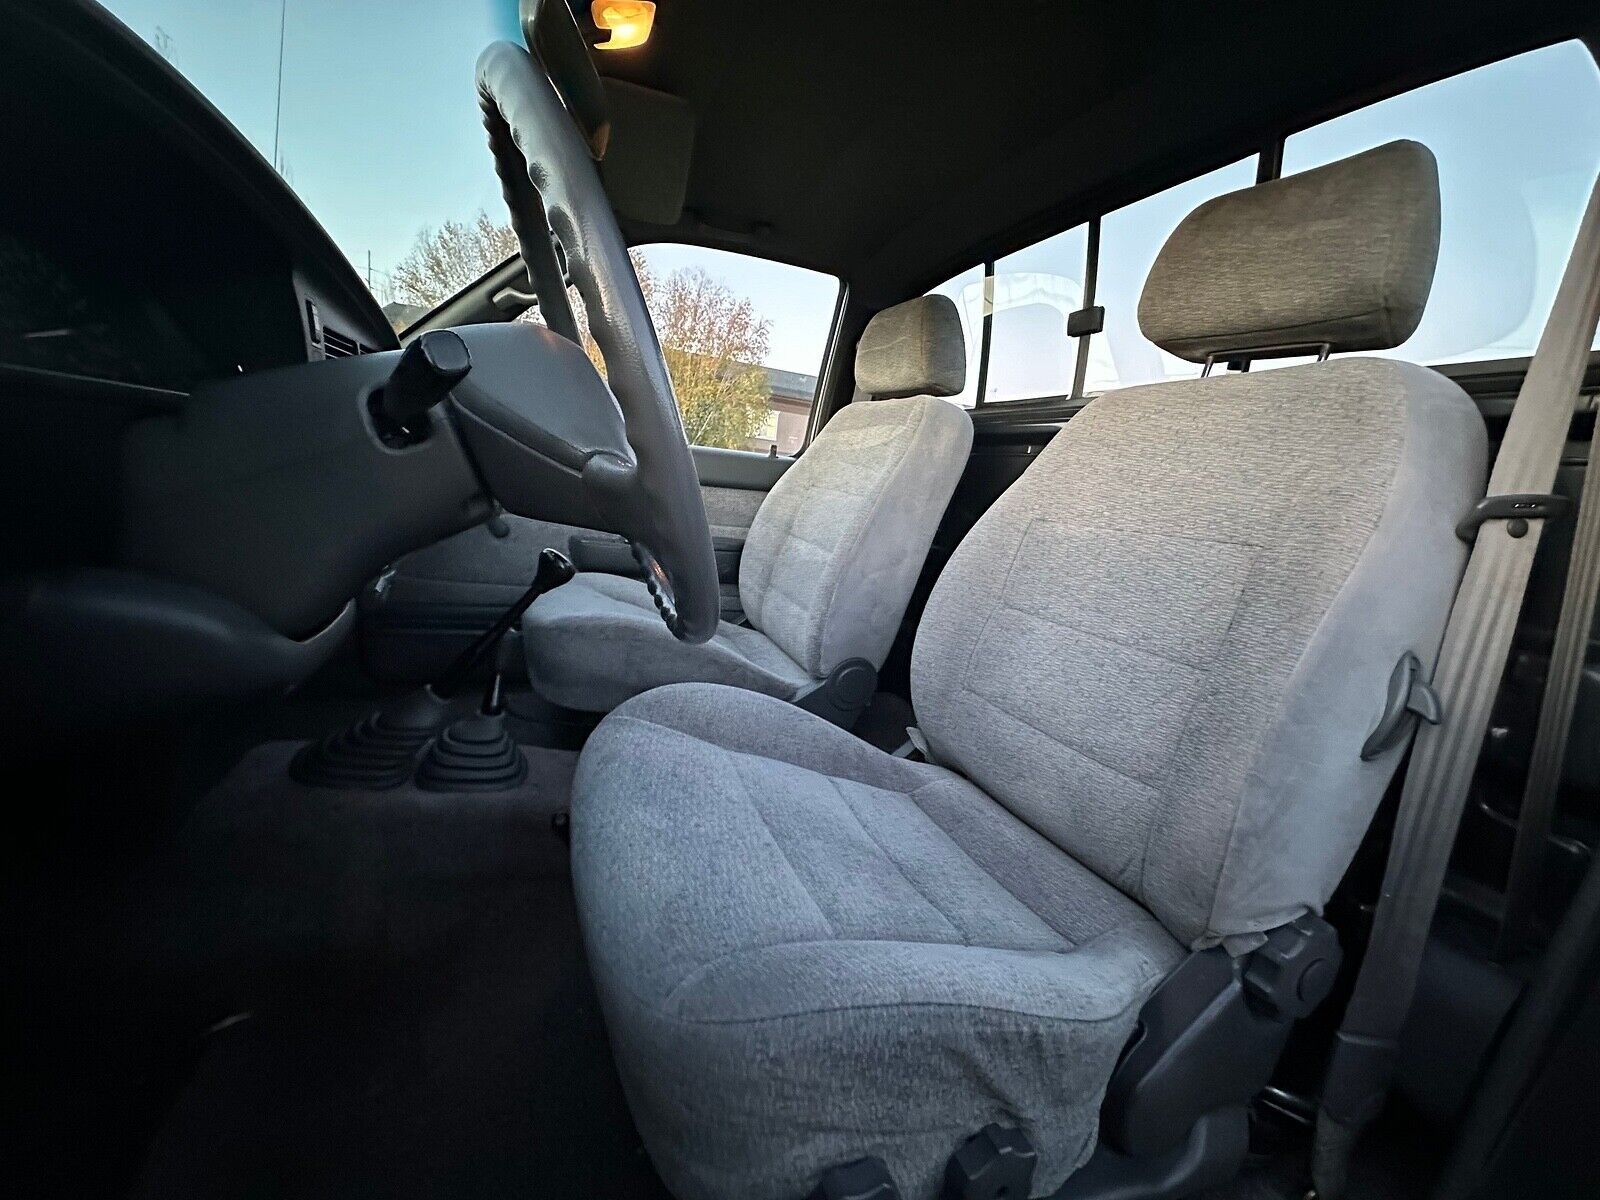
x=1035, y=290
x=1518, y=144
x=967, y=290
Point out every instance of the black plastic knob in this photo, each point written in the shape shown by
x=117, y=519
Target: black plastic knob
x=427, y=370
x=996, y=1163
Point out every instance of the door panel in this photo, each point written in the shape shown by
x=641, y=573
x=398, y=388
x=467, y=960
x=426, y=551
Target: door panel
x=430, y=604
x=742, y=470
x=730, y=511
x=733, y=484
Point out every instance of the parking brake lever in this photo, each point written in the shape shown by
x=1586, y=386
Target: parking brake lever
x=428, y=368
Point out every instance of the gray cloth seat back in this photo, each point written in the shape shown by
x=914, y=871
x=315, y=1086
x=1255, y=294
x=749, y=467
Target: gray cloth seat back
x=836, y=548
x=1164, y=646
x=831, y=556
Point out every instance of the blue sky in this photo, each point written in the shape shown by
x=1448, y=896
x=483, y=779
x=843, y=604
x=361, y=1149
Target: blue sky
x=379, y=132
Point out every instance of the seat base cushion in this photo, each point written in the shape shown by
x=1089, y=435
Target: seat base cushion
x=596, y=641
x=809, y=950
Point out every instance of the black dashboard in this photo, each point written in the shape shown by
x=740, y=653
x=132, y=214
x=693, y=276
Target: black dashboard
x=194, y=496
x=142, y=240
x=148, y=255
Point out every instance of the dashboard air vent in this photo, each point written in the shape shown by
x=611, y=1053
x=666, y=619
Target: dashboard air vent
x=338, y=345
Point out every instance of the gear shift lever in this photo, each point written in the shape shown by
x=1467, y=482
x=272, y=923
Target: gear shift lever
x=379, y=751
x=555, y=569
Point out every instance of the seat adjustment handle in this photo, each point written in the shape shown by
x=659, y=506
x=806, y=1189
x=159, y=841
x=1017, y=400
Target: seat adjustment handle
x=996, y=1163
x=863, y=1179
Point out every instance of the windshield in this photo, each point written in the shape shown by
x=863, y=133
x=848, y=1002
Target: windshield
x=368, y=109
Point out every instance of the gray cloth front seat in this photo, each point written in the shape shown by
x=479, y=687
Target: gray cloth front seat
x=1145, y=676
x=832, y=554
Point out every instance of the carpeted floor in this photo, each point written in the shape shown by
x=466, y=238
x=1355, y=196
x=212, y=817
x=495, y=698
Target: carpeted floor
x=399, y=993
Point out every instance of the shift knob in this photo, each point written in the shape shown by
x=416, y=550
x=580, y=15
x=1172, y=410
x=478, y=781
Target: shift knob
x=427, y=370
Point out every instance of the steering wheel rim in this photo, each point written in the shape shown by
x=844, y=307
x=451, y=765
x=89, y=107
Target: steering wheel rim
x=553, y=191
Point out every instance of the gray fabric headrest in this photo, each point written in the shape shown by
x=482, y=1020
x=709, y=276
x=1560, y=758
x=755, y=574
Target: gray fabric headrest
x=1343, y=254
x=913, y=349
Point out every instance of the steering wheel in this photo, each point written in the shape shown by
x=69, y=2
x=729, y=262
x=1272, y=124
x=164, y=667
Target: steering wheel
x=566, y=228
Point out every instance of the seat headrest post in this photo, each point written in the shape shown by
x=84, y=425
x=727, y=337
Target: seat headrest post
x=1334, y=259
x=1246, y=354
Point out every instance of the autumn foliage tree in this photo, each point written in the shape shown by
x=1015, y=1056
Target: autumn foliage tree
x=714, y=344
x=713, y=340
x=448, y=258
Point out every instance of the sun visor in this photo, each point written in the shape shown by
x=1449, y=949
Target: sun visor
x=646, y=163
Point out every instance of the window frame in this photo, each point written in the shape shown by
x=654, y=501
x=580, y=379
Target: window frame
x=827, y=372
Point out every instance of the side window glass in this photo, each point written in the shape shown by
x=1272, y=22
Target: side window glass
x=1035, y=291
x=1130, y=239
x=1518, y=144
x=743, y=338
x=967, y=291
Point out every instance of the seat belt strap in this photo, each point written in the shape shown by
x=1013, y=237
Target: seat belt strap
x=1472, y=658
x=1567, y=654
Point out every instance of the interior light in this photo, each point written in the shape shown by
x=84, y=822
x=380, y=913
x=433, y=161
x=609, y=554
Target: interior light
x=629, y=21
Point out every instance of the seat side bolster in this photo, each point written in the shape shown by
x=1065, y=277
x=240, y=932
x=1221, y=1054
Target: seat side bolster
x=598, y=641
x=743, y=722
x=1098, y=982
x=1284, y=860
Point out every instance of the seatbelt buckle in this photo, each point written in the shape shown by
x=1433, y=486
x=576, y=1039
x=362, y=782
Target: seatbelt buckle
x=1516, y=509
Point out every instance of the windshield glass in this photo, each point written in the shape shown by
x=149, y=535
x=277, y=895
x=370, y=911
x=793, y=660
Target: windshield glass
x=368, y=109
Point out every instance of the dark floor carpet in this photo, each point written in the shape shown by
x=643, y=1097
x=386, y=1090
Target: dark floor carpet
x=401, y=1000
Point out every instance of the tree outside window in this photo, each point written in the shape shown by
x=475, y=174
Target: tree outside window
x=715, y=341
